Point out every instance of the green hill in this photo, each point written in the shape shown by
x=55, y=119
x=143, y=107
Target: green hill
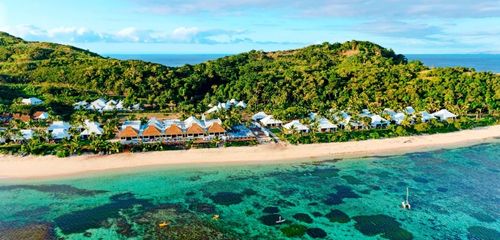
x=352, y=75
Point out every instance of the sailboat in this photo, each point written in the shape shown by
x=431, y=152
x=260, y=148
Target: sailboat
x=406, y=204
x=280, y=220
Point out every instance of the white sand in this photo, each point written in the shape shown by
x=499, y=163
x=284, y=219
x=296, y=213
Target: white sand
x=33, y=167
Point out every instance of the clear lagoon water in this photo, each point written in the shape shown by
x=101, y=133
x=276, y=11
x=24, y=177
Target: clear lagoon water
x=455, y=194
x=481, y=62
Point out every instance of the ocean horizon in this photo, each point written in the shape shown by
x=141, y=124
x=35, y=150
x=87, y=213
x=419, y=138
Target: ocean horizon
x=480, y=62
x=336, y=199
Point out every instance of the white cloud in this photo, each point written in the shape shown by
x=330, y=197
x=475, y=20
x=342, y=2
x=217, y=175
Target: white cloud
x=185, y=33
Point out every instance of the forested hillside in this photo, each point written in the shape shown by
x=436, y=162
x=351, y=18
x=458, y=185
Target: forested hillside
x=351, y=75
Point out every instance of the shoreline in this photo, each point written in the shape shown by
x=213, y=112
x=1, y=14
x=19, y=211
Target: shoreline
x=52, y=167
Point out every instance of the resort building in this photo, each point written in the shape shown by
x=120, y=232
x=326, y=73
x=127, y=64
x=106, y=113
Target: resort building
x=324, y=125
x=80, y=105
x=409, y=110
x=426, y=116
x=378, y=122
x=101, y=105
x=172, y=130
x=21, y=117
x=270, y=122
x=444, y=115
x=40, y=115
x=58, y=130
x=226, y=106
x=33, y=101
x=297, y=126
x=26, y=134
x=90, y=128
x=259, y=116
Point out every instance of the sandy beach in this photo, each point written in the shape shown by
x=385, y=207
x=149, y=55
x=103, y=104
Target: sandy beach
x=35, y=167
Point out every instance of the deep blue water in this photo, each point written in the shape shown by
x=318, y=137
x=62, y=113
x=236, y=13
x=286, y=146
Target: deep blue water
x=481, y=62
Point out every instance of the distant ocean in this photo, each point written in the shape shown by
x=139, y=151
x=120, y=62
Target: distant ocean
x=481, y=62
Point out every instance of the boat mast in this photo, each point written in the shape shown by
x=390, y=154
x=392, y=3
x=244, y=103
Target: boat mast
x=407, y=193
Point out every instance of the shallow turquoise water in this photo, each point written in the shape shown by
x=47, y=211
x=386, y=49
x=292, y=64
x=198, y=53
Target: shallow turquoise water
x=455, y=194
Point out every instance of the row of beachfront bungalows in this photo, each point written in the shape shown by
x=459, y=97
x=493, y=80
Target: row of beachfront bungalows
x=344, y=119
x=173, y=130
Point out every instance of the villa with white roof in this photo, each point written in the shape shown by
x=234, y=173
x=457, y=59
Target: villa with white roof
x=444, y=115
x=296, y=125
x=33, y=101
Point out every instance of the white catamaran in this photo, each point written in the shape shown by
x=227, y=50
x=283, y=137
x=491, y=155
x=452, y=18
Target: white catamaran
x=406, y=204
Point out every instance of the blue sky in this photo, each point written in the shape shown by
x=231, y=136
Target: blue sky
x=232, y=26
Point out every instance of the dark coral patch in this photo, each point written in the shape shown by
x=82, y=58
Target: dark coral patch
x=442, y=189
x=337, y=216
x=483, y=217
x=55, y=189
x=482, y=233
x=303, y=217
x=317, y=214
x=316, y=233
x=82, y=220
x=227, y=198
x=206, y=208
x=249, y=192
x=294, y=230
x=338, y=197
x=352, y=180
x=271, y=210
x=385, y=225
x=420, y=180
x=323, y=172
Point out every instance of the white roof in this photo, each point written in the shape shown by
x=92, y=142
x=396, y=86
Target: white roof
x=134, y=124
x=43, y=116
x=444, y=114
x=136, y=106
x=389, y=111
x=32, y=101
x=80, y=105
x=324, y=123
x=59, y=125
x=258, y=116
x=119, y=105
x=241, y=104
x=377, y=119
x=91, y=128
x=27, y=134
x=398, y=117
x=270, y=120
x=153, y=121
x=409, y=110
x=312, y=115
x=365, y=113
x=295, y=124
x=60, y=133
x=209, y=122
x=101, y=103
x=426, y=116
x=191, y=120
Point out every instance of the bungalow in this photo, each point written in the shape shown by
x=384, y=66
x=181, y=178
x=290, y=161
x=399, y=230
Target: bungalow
x=444, y=115
x=173, y=131
x=31, y=101
x=398, y=118
x=40, y=115
x=128, y=133
x=110, y=106
x=426, y=116
x=226, y=106
x=26, y=134
x=21, y=117
x=59, y=134
x=59, y=130
x=343, y=118
x=80, y=105
x=91, y=128
x=152, y=132
x=377, y=121
x=365, y=113
x=270, y=122
x=97, y=105
x=409, y=110
x=215, y=129
x=259, y=116
x=324, y=125
x=194, y=130
x=296, y=125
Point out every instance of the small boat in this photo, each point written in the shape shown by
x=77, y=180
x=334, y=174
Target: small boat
x=406, y=204
x=163, y=224
x=280, y=220
x=215, y=217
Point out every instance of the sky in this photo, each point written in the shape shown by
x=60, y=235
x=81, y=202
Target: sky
x=233, y=26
